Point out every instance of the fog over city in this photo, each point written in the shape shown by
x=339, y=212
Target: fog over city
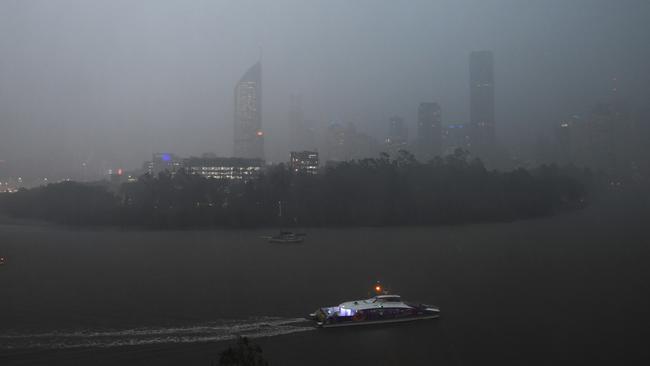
x=109, y=83
x=220, y=182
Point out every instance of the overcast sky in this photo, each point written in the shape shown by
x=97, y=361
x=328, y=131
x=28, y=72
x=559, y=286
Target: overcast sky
x=116, y=80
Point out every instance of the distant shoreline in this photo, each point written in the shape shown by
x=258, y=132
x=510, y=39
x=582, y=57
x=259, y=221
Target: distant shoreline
x=25, y=222
x=380, y=192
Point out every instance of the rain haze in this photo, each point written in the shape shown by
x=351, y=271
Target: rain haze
x=111, y=82
x=324, y=182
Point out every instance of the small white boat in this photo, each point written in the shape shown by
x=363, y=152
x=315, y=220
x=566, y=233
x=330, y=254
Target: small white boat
x=286, y=237
x=376, y=310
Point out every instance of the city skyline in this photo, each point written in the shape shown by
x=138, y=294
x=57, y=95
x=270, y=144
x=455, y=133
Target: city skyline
x=433, y=137
x=217, y=181
x=106, y=90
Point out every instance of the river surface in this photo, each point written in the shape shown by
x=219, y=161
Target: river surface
x=570, y=289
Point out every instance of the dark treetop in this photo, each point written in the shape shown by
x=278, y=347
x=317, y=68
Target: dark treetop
x=373, y=192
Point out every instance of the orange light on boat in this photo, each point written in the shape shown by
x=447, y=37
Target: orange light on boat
x=378, y=288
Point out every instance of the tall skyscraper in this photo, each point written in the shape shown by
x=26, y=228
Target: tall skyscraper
x=248, y=134
x=397, y=135
x=429, y=138
x=343, y=142
x=301, y=135
x=455, y=136
x=481, y=79
x=397, y=131
x=296, y=122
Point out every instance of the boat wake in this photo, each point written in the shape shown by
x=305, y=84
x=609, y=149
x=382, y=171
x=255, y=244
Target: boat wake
x=207, y=332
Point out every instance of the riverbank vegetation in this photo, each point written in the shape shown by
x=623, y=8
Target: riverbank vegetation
x=370, y=192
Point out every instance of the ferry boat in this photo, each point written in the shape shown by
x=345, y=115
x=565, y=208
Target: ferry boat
x=382, y=308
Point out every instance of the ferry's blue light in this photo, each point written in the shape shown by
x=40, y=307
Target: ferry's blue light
x=346, y=312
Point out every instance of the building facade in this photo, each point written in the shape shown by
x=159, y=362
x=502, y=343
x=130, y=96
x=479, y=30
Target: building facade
x=397, y=135
x=455, y=136
x=239, y=169
x=429, y=140
x=304, y=162
x=163, y=162
x=301, y=134
x=482, y=120
x=248, y=134
x=343, y=142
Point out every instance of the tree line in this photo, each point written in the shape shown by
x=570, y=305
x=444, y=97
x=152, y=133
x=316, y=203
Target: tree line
x=369, y=192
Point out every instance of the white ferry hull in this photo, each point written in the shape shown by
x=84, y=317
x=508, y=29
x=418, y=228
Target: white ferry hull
x=370, y=322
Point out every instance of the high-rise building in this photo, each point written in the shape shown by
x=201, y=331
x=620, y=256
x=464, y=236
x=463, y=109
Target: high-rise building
x=301, y=136
x=397, y=131
x=248, y=134
x=237, y=169
x=481, y=79
x=342, y=142
x=163, y=162
x=566, y=140
x=455, y=136
x=304, y=162
x=429, y=138
x=610, y=135
x=602, y=140
x=397, y=135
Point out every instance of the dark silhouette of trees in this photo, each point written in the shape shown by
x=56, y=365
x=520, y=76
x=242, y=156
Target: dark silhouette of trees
x=371, y=192
x=64, y=203
x=244, y=353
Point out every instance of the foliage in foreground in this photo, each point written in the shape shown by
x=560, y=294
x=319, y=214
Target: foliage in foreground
x=371, y=192
x=244, y=353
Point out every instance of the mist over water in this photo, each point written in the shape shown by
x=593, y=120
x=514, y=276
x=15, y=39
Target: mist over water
x=132, y=124
x=533, y=292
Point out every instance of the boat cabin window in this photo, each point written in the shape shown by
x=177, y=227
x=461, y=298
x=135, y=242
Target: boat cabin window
x=389, y=299
x=346, y=312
